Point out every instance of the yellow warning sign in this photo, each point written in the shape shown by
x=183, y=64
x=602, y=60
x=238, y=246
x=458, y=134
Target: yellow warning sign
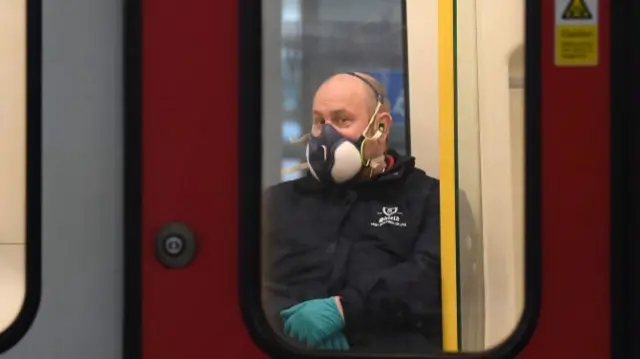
x=576, y=33
x=576, y=9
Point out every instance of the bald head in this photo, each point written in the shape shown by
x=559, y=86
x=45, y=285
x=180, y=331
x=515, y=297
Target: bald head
x=369, y=88
x=347, y=103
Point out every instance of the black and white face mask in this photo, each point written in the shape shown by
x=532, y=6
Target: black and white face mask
x=332, y=158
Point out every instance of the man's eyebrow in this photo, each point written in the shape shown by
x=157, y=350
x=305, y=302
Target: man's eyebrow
x=340, y=113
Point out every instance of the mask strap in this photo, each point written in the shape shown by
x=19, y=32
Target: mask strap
x=365, y=163
x=372, y=162
x=371, y=120
x=375, y=163
x=373, y=88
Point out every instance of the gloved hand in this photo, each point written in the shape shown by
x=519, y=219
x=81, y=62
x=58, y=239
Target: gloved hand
x=337, y=342
x=313, y=321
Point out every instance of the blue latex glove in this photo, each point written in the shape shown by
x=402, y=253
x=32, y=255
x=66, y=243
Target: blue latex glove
x=313, y=321
x=337, y=342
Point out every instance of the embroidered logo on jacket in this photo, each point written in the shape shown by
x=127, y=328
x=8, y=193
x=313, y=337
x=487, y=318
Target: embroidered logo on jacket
x=389, y=216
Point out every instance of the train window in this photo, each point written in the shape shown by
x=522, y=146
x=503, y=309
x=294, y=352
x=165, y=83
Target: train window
x=362, y=252
x=12, y=159
x=19, y=170
x=488, y=218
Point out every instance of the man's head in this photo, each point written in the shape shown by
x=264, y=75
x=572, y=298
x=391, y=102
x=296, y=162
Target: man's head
x=348, y=103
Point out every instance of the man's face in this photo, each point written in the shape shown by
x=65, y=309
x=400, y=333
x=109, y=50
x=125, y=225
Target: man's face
x=345, y=102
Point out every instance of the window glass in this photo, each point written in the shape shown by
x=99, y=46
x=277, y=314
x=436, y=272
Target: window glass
x=490, y=170
x=12, y=158
x=362, y=252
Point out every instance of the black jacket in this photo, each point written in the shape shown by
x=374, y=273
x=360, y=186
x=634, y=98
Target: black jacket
x=376, y=244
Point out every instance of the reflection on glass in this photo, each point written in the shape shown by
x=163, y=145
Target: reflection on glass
x=490, y=158
x=291, y=130
x=12, y=158
x=289, y=163
x=469, y=207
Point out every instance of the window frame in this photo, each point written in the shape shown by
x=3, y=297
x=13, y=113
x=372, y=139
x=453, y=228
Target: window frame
x=33, y=244
x=625, y=150
x=250, y=147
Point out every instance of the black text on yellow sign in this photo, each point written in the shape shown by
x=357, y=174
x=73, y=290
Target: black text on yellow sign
x=576, y=33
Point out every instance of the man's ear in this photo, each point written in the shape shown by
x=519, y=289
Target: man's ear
x=384, y=125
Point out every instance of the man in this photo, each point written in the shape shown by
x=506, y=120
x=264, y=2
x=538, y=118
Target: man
x=352, y=250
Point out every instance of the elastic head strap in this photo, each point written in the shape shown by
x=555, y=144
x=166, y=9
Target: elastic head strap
x=376, y=93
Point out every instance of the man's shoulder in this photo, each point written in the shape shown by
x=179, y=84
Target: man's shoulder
x=411, y=178
x=419, y=182
x=287, y=191
x=280, y=189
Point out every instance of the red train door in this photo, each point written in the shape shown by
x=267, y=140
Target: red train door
x=182, y=93
x=184, y=186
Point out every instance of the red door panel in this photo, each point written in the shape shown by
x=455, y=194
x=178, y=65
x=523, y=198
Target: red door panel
x=189, y=175
x=574, y=318
x=183, y=86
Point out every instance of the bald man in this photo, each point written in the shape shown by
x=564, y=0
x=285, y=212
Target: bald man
x=353, y=248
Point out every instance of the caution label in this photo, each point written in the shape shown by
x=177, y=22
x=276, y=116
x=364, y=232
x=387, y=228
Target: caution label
x=576, y=33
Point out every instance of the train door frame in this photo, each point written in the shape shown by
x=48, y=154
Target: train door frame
x=625, y=287
x=33, y=255
x=132, y=93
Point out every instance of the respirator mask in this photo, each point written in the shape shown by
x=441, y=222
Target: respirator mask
x=332, y=158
